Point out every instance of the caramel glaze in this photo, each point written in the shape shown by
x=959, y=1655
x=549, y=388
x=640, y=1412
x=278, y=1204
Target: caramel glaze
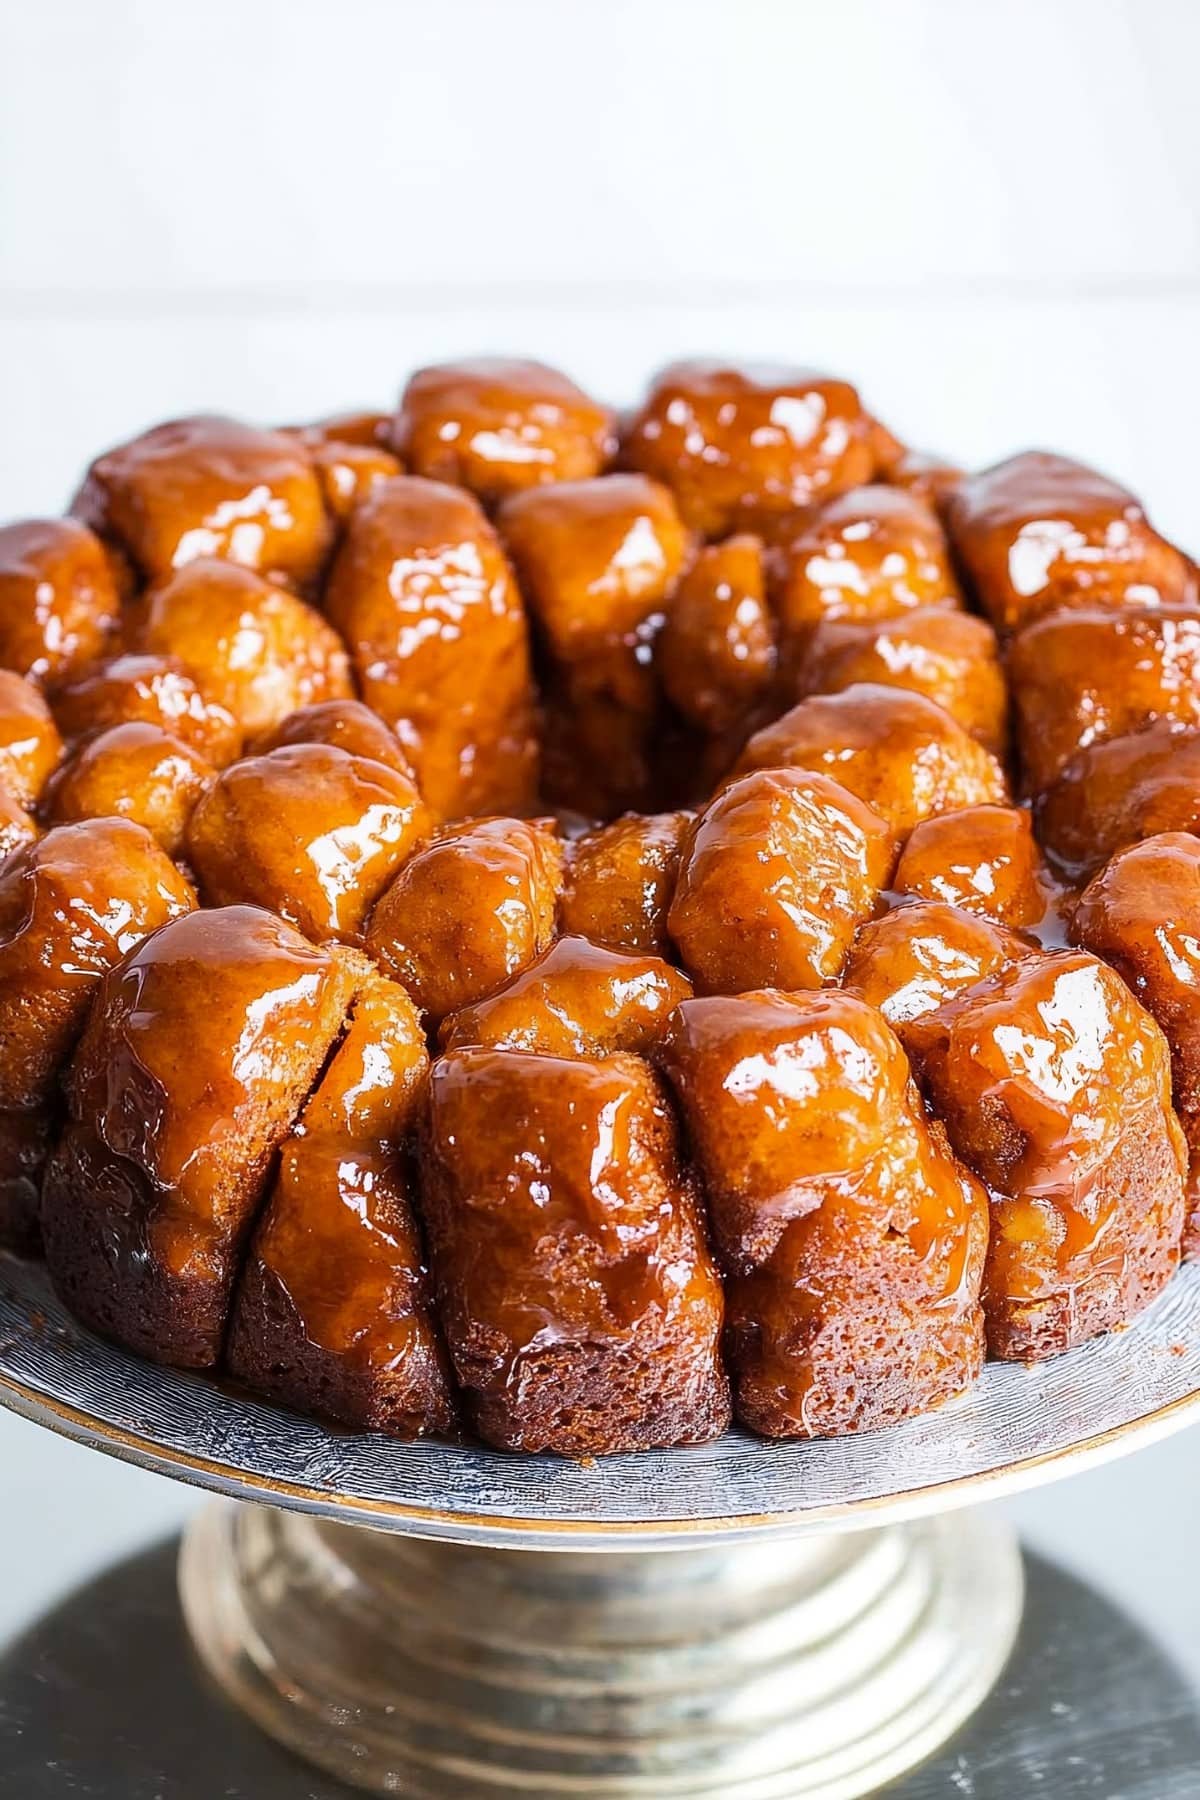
x=579, y=1301
x=498, y=425
x=1141, y=913
x=780, y=869
x=365, y=430
x=852, y=1242
x=598, y=562
x=29, y=741
x=928, y=477
x=575, y=999
x=984, y=859
x=227, y=1060
x=900, y=752
x=251, y=647
x=72, y=904
x=716, y=650
x=1089, y=673
x=1116, y=792
x=619, y=881
x=157, y=690
x=950, y=657
x=427, y=604
x=332, y=1313
x=210, y=487
x=1054, y=1086
x=871, y=553
x=344, y=725
x=17, y=826
x=917, y=956
x=349, y=473
x=468, y=911
x=308, y=831
x=196, y=1058
x=1040, y=531
x=135, y=771
x=58, y=598
x=741, y=444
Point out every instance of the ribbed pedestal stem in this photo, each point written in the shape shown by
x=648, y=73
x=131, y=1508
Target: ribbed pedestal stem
x=813, y=1669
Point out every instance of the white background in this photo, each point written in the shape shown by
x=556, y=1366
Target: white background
x=987, y=211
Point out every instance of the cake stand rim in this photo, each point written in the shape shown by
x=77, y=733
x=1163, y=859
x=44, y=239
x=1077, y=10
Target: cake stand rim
x=200, y=1467
x=495, y=1530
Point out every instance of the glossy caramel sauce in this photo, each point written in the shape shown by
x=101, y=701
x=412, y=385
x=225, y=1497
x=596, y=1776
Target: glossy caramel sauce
x=467, y=911
x=716, y=651
x=498, y=425
x=58, y=598
x=309, y=831
x=155, y=689
x=426, y=602
x=210, y=487
x=29, y=741
x=779, y=870
x=740, y=444
x=72, y=905
x=252, y=648
x=900, y=752
x=1040, y=531
x=575, y=999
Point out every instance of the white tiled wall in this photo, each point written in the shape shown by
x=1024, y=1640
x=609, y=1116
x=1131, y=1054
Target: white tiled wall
x=988, y=211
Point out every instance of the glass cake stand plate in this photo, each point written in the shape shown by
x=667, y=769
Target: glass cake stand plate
x=828, y=1615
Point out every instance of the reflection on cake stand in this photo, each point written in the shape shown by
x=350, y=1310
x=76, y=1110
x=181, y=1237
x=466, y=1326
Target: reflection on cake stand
x=745, y=1620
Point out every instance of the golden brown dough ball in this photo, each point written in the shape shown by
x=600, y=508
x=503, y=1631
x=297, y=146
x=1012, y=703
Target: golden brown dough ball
x=951, y=657
x=210, y=487
x=252, y=647
x=869, y=554
x=620, y=880
x=345, y=725
x=930, y=478
x=29, y=741
x=135, y=771
x=308, y=831
x=58, y=599
x=365, y=430
x=72, y=904
x=17, y=826
x=716, y=650
x=155, y=689
x=425, y=599
x=348, y=473
x=196, y=1060
x=1055, y=1088
x=580, y=1304
x=497, y=425
x=575, y=999
x=598, y=561
x=1089, y=673
x=984, y=859
x=468, y=911
x=1040, y=531
x=1116, y=792
x=852, y=1242
x=1141, y=913
x=779, y=871
x=900, y=752
x=332, y=1312
x=914, y=958
x=738, y=445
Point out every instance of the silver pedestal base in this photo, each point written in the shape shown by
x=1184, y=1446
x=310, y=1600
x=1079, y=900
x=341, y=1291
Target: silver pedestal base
x=818, y=1669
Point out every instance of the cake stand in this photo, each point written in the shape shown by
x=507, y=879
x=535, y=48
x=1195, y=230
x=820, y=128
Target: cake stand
x=744, y=1621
